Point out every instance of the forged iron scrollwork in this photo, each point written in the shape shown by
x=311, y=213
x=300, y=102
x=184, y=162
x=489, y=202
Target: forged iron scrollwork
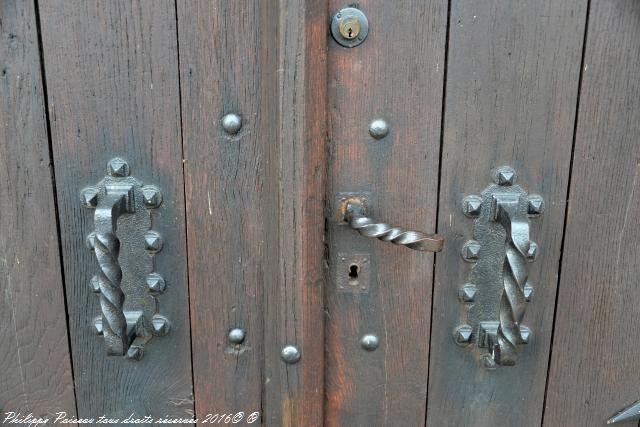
x=499, y=289
x=124, y=248
x=355, y=215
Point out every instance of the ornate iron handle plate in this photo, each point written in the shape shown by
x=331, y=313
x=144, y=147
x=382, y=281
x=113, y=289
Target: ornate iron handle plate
x=355, y=214
x=498, y=290
x=124, y=248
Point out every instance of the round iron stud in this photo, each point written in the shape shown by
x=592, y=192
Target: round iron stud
x=236, y=336
x=378, y=129
x=349, y=27
x=369, y=342
x=290, y=354
x=231, y=123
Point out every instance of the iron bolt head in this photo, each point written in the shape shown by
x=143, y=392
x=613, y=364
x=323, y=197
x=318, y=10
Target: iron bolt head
x=153, y=241
x=89, y=197
x=135, y=353
x=462, y=335
x=118, y=167
x=505, y=175
x=151, y=196
x=528, y=291
x=467, y=292
x=155, y=283
x=378, y=128
x=290, y=354
x=236, y=336
x=97, y=325
x=532, y=253
x=471, y=251
x=369, y=342
x=535, y=205
x=161, y=325
x=231, y=123
x=525, y=334
x=95, y=284
x=471, y=206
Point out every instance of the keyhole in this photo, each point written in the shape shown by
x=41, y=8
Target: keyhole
x=353, y=272
x=350, y=32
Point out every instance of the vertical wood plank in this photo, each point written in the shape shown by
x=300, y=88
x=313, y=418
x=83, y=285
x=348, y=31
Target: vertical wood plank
x=227, y=66
x=255, y=202
x=294, y=299
x=594, y=366
x=112, y=78
x=396, y=74
x=35, y=371
x=512, y=81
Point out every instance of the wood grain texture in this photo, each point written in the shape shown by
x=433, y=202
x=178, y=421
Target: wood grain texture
x=35, y=371
x=255, y=203
x=112, y=79
x=594, y=366
x=512, y=82
x=397, y=75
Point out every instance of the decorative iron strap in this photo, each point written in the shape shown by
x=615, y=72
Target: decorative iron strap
x=114, y=323
x=369, y=227
x=500, y=270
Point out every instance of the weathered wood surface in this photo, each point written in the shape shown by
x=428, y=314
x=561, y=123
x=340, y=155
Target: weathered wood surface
x=255, y=203
x=594, y=366
x=112, y=78
x=512, y=83
x=397, y=75
x=35, y=371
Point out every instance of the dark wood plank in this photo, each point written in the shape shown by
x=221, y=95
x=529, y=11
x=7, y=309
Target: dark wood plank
x=512, y=82
x=35, y=371
x=294, y=297
x=255, y=203
x=397, y=75
x=594, y=366
x=112, y=80
x=221, y=63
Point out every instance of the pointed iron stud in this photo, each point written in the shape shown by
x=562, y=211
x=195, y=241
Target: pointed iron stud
x=471, y=251
x=471, y=206
x=153, y=241
x=630, y=413
x=505, y=175
x=89, y=197
x=118, y=167
x=151, y=196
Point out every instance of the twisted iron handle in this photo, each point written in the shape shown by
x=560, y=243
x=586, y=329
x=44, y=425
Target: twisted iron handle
x=107, y=246
x=513, y=301
x=366, y=226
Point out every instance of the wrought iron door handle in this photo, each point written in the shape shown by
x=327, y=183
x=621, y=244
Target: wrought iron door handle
x=498, y=296
x=355, y=216
x=125, y=281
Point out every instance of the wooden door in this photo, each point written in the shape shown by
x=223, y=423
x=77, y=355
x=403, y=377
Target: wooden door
x=188, y=164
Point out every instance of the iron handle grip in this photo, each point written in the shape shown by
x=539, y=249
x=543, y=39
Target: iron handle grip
x=356, y=218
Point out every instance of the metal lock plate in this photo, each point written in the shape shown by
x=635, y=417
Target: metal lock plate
x=353, y=272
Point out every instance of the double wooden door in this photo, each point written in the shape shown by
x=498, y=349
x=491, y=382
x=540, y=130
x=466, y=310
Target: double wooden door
x=254, y=125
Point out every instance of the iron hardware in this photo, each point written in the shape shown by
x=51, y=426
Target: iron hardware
x=378, y=128
x=124, y=248
x=369, y=342
x=290, y=354
x=498, y=289
x=629, y=413
x=349, y=27
x=355, y=214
